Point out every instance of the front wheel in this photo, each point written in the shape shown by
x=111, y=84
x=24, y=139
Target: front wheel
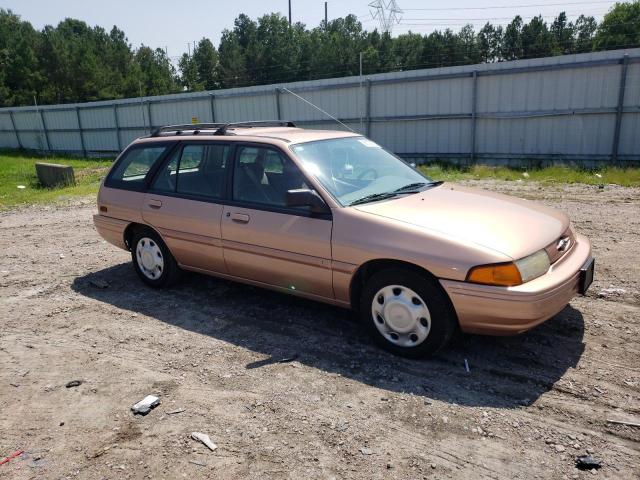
x=407, y=313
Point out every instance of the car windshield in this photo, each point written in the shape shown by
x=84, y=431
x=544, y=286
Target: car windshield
x=356, y=170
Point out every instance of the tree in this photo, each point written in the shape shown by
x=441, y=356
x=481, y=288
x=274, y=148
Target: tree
x=157, y=75
x=512, y=40
x=489, y=43
x=236, y=51
x=620, y=28
x=434, y=50
x=336, y=49
x=121, y=70
x=233, y=72
x=407, y=51
x=469, y=52
x=537, y=41
x=72, y=61
x=207, y=62
x=189, y=70
x=378, y=55
x=276, y=56
x=585, y=29
x=563, y=35
x=19, y=72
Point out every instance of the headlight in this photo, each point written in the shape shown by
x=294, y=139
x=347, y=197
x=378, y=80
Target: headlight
x=511, y=274
x=533, y=266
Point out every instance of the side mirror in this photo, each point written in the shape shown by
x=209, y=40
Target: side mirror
x=303, y=197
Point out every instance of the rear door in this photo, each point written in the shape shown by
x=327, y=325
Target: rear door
x=122, y=193
x=264, y=240
x=183, y=204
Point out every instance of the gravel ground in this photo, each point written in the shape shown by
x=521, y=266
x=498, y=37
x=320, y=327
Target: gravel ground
x=343, y=409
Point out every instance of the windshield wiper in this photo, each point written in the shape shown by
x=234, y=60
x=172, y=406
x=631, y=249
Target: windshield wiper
x=374, y=196
x=411, y=188
x=415, y=186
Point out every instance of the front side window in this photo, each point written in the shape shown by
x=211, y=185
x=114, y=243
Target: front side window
x=264, y=175
x=132, y=169
x=197, y=170
x=355, y=169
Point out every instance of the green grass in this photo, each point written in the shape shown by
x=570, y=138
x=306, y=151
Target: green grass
x=628, y=177
x=19, y=169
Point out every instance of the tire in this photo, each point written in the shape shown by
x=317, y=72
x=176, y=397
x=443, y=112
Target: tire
x=152, y=260
x=419, y=317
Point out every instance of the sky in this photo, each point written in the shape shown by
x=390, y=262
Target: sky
x=173, y=25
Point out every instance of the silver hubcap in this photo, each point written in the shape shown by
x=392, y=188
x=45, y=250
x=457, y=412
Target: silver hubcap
x=401, y=315
x=149, y=258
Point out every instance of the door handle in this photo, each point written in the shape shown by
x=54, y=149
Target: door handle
x=153, y=203
x=240, y=217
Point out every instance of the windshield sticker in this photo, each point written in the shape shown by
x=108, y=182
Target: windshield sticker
x=368, y=143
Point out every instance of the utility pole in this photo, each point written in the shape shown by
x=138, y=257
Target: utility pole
x=326, y=17
x=289, y=12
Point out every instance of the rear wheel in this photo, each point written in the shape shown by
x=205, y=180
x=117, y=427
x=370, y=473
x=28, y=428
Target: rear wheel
x=407, y=313
x=152, y=260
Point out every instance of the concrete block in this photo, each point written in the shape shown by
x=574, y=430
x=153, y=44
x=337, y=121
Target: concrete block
x=54, y=175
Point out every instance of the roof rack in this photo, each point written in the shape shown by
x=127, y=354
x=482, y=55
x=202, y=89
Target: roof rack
x=189, y=127
x=256, y=123
x=219, y=128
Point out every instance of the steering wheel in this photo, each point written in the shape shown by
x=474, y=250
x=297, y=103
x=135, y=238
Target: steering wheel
x=365, y=172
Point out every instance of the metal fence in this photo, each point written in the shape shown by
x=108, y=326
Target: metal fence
x=571, y=109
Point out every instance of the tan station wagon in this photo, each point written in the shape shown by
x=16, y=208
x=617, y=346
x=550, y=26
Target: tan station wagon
x=334, y=217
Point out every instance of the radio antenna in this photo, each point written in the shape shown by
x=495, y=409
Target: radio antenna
x=317, y=108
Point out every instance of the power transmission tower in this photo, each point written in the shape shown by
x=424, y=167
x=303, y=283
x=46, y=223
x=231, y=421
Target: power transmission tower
x=387, y=12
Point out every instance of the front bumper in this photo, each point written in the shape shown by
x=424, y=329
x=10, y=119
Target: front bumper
x=493, y=310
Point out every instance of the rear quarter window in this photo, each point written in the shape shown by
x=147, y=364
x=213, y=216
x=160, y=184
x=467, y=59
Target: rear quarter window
x=132, y=169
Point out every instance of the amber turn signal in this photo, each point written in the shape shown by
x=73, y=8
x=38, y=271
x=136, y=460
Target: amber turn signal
x=502, y=274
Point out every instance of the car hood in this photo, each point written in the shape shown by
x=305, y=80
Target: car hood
x=511, y=226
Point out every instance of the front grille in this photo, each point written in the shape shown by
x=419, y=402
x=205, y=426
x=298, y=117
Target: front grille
x=561, y=246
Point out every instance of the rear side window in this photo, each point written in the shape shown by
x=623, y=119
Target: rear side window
x=133, y=168
x=196, y=170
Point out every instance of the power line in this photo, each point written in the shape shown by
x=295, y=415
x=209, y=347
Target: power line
x=491, y=18
x=509, y=6
x=505, y=23
x=449, y=20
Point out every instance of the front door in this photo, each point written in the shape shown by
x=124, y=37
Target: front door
x=182, y=204
x=264, y=240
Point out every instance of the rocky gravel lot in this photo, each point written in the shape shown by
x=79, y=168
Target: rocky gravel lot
x=210, y=350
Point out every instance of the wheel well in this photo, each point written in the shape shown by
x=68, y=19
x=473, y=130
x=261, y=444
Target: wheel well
x=370, y=268
x=130, y=231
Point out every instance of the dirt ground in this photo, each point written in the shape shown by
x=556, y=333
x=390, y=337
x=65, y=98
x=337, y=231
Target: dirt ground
x=343, y=409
